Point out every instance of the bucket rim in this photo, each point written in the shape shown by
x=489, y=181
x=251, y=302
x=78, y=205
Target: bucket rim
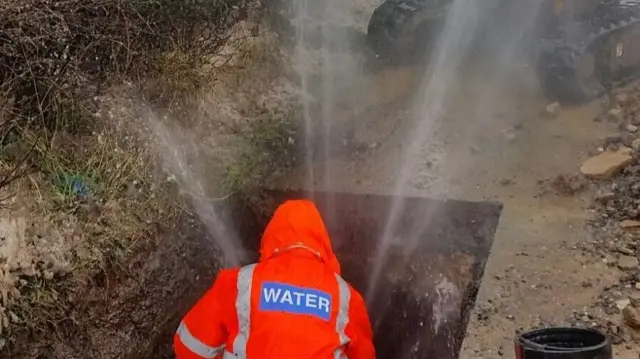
x=525, y=343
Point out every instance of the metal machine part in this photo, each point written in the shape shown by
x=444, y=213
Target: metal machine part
x=583, y=47
x=591, y=48
x=404, y=28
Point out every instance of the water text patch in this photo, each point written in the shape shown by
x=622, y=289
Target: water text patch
x=286, y=298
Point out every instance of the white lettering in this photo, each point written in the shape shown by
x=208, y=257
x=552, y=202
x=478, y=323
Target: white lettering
x=286, y=297
x=296, y=300
x=311, y=300
x=271, y=294
x=323, y=304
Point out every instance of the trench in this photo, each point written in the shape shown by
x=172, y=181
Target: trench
x=420, y=310
x=422, y=304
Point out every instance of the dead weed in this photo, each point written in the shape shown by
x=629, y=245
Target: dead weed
x=91, y=203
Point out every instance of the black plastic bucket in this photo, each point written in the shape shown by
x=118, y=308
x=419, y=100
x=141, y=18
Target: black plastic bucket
x=563, y=343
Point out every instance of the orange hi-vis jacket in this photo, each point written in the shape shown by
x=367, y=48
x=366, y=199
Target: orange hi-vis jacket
x=292, y=304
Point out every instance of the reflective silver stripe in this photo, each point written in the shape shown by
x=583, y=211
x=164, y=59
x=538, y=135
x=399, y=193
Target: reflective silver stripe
x=243, y=310
x=343, y=316
x=196, y=346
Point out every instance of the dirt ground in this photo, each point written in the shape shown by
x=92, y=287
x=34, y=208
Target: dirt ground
x=497, y=142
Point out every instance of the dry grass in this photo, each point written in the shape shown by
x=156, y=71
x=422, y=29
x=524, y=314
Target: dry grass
x=57, y=55
x=88, y=192
x=267, y=150
x=89, y=200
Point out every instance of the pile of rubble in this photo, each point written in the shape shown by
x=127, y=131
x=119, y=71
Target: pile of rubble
x=614, y=312
x=615, y=171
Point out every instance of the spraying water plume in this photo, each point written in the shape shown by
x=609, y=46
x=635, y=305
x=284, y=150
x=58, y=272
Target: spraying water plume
x=451, y=50
x=175, y=162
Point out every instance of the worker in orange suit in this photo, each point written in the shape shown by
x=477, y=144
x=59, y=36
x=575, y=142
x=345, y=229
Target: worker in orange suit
x=292, y=304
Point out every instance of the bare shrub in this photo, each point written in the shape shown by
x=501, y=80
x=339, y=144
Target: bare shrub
x=56, y=55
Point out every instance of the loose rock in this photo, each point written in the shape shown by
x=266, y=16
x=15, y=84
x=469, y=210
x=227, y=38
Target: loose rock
x=631, y=317
x=629, y=224
x=627, y=262
x=605, y=196
x=606, y=164
x=553, y=109
x=625, y=250
x=622, y=303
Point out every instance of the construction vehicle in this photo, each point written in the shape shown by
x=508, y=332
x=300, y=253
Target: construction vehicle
x=583, y=48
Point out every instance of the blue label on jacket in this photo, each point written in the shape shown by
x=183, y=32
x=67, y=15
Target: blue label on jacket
x=286, y=298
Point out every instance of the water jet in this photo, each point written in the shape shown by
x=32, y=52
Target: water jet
x=422, y=303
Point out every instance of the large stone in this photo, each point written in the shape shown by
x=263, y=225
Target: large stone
x=627, y=262
x=622, y=303
x=631, y=317
x=606, y=164
x=629, y=224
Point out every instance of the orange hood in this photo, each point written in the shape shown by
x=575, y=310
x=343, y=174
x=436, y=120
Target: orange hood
x=298, y=224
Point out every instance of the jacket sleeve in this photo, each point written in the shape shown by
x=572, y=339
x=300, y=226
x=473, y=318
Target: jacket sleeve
x=202, y=333
x=359, y=330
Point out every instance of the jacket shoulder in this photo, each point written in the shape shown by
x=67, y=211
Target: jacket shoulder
x=227, y=278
